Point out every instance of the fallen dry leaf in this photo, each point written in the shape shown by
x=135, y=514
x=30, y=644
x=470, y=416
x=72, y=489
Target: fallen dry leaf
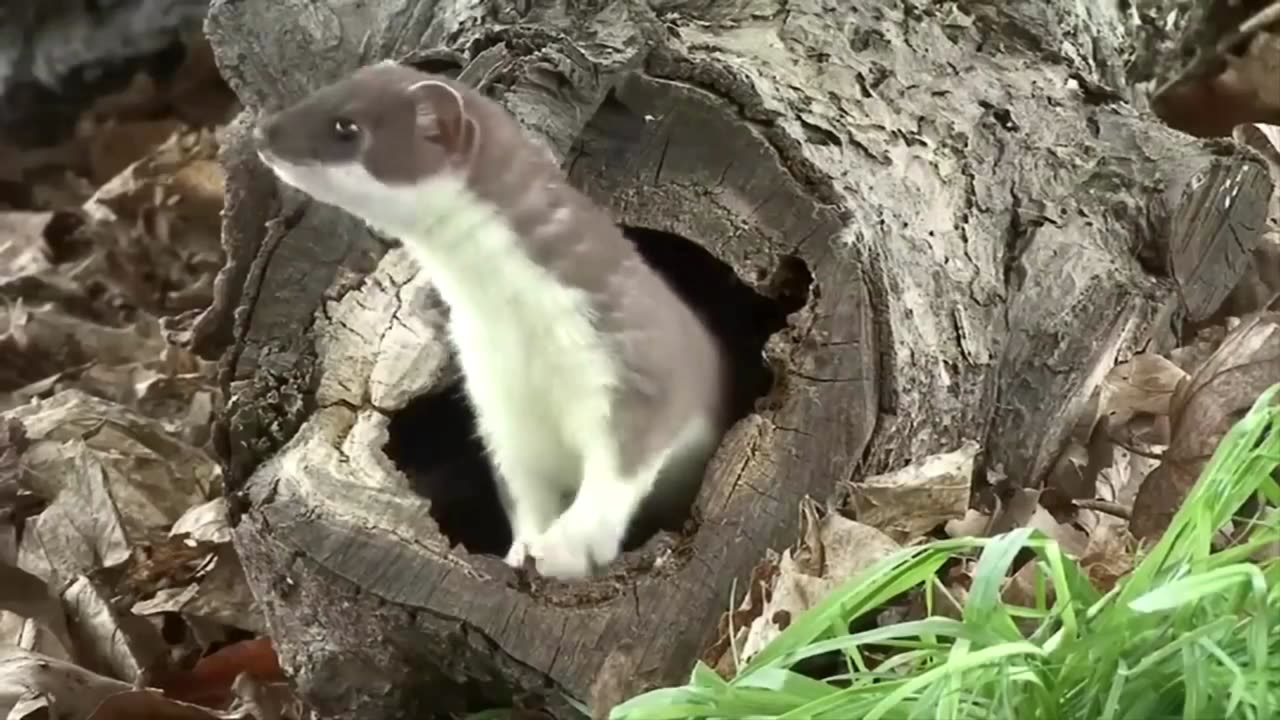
x=975, y=523
x=149, y=705
x=1193, y=355
x=1071, y=539
x=35, y=686
x=273, y=700
x=1020, y=588
x=28, y=598
x=845, y=546
x=1015, y=510
x=1260, y=281
x=734, y=625
x=912, y=501
x=110, y=475
x=210, y=682
x=13, y=442
x=1109, y=556
x=137, y=100
x=158, y=228
x=23, y=250
x=117, y=485
x=194, y=92
x=1144, y=384
x=1257, y=65
x=212, y=587
x=206, y=523
x=1117, y=486
x=88, y=286
x=1215, y=397
x=21, y=167
x=1022, y=508
x=1076, y=469
x=108, y=639
x=43, y=341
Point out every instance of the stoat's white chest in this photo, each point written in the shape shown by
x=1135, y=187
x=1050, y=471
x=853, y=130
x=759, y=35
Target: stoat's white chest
x=540, y=375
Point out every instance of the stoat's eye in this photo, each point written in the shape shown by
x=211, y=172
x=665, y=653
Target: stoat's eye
x=345, y=129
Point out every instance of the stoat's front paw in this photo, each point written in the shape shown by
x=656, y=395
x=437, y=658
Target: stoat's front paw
x=575, y=546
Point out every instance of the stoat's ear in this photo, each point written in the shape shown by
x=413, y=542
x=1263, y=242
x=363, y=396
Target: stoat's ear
x=442, y=118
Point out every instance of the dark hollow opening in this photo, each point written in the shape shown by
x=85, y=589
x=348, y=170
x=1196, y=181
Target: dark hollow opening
x=433, y=440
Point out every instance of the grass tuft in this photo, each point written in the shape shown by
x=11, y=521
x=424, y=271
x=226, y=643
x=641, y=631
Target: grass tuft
x=1189, y=633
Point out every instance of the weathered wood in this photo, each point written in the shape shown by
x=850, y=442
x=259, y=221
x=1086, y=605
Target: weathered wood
x=952, y=209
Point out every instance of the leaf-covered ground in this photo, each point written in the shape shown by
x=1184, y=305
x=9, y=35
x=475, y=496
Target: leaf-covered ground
x=119, y=577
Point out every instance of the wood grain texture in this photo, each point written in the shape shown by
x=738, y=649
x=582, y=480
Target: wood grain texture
x=974, y=223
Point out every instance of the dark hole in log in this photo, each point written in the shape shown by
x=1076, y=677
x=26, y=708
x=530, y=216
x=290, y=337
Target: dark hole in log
x=433, y=439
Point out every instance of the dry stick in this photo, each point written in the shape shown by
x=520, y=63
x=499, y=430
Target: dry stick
x=1124, y=444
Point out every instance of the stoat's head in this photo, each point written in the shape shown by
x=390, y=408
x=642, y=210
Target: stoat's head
x=384, y=132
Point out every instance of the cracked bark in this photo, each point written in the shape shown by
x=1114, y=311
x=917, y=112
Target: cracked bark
x=985, y=232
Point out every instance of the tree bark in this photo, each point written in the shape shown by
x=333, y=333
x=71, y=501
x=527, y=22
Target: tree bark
x=948, y=220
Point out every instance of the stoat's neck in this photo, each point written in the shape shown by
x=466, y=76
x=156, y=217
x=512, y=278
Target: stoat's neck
x=468, y=248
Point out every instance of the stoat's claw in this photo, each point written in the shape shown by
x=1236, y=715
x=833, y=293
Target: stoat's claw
x=575, y=546
x=517, y=553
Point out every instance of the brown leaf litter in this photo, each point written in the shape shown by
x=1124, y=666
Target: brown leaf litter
x=1232, y=79
x=121, y=595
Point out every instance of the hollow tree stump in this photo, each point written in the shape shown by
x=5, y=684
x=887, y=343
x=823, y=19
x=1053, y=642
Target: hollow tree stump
x=932, y=221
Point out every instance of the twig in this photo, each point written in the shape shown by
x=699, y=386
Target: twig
x=1105, y=506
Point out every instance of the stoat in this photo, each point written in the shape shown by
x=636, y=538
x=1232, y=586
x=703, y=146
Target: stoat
x=594, y=385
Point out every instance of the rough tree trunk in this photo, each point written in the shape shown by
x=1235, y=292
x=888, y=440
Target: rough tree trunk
x=948, y=223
